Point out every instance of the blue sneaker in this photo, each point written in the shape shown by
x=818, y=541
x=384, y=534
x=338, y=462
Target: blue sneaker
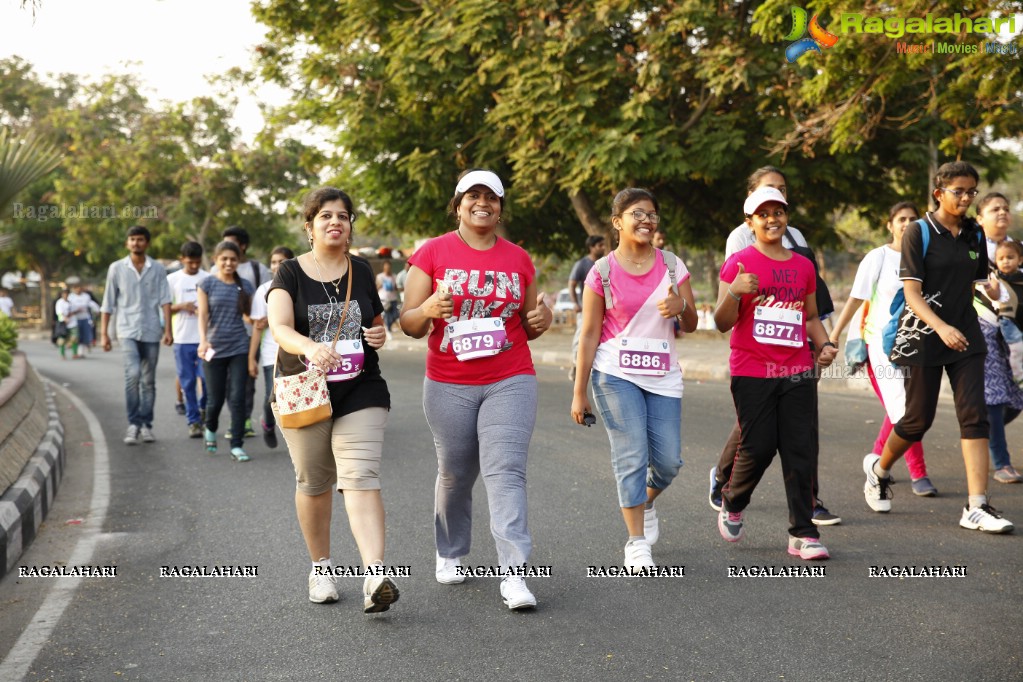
x=715, y=489
x=210, y=437
x=923, y=487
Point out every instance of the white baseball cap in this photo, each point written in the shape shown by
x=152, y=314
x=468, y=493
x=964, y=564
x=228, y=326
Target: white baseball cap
x=480, y=177
x=760, y=197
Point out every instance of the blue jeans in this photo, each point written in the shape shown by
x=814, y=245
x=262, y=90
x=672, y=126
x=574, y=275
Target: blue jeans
x=1010, y=332
x=140, y=379
x=998, y=416
x=186, y=359
x=645, y=430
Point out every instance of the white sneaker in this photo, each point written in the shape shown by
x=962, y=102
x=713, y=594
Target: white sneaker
x=131, y=436
x=378, y=593
x=877, y=491
x=637, y=555
x=322, y=588
x=985, y=518
x=146, y=434
x=516, y=595
x=447, y=571
x=651, y=527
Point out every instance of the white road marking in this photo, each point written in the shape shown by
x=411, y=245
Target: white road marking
x=16, y=665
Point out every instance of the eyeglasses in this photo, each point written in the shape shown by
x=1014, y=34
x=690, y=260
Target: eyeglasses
x=958, y=193
x=640, y=215
x=764, y=215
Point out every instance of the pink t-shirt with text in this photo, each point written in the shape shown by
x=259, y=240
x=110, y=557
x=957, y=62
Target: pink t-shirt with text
x=783, y=284
x=490, y=283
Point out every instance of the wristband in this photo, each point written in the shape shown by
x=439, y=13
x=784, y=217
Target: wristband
x=828, y=343
x=733, y=295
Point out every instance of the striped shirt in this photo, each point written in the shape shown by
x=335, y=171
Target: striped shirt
x=225, y=330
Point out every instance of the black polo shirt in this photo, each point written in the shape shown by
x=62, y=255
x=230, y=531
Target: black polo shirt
x=947, y=275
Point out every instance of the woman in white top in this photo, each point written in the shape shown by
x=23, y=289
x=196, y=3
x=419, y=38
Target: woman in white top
x=877, y=281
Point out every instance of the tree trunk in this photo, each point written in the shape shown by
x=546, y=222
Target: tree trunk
x=587, y=215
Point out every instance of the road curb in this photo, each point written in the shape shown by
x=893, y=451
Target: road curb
x=28, y=500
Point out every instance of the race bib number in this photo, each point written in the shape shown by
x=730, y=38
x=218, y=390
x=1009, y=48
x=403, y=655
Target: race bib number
x=778, y=326
x=477, y=338
x=353, y=359
x=638, y=355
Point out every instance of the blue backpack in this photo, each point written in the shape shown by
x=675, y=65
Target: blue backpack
x=891, y=329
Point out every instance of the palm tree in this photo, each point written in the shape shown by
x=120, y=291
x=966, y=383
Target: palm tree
x=23, y=160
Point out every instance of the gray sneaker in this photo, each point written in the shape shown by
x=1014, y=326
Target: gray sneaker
x=131, y=436
x=146, y=434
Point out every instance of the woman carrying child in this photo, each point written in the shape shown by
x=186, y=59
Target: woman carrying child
x=939, y=332
x=767, y=296
x=628, y=341
x=877, y=281
x=1002, y=394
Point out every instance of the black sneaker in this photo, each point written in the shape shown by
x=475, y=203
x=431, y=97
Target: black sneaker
x=269, y=435
x=822, y=517
x=715, y=489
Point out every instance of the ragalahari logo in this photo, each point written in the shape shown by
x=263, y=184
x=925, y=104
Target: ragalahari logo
x=818, y=36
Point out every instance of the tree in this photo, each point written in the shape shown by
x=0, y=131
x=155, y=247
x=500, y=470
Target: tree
x=571, y=101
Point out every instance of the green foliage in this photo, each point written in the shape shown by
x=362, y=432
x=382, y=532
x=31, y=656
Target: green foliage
x=5, y=363
x=8, y=334
x=570, y=101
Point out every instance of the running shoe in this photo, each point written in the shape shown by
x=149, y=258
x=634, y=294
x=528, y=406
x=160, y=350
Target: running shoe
x=730, y=525
x=378, y=593
x=822, y=517
x=877, y=491
x=715, y=489
x=447, y=571
x=269, y=435
x=249, y=432
x=1007, y=474
x=985, y=518
x=146, y=434
x=210, y=438
x=239, y=455
x=637, y=555
x=131, y=436
x=195, y=430
x=179, y=408
x=808, y=549
x=923, y=487
x=516, y=595
x=651, y=526
x=322, y=588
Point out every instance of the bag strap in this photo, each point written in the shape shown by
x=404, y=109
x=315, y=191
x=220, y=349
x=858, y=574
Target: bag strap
x=344, y=312
x=671, y=261
x=604, y=270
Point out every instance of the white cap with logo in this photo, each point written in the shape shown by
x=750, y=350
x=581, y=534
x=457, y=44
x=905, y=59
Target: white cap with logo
x=480, y=177
x=761, y=196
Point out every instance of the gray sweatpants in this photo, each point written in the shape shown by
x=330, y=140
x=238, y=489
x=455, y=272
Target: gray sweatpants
x=482, y=429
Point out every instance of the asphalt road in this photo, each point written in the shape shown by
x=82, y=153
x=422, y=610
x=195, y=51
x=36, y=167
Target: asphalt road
x=170, y=504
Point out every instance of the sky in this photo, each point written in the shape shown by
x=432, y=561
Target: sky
x=171, y=45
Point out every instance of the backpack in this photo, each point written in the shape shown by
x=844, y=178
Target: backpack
x=891, y=328
x=604, y=270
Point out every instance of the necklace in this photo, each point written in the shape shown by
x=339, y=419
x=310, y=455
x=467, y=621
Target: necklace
x=335, y=284
x=459, y=231
x=635, y=262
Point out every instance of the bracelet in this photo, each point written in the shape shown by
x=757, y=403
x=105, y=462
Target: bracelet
x=828, y=343
x=685, y=305
x=733, y=295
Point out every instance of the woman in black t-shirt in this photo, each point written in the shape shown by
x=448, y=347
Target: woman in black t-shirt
x=942, y=333
x=307, y=303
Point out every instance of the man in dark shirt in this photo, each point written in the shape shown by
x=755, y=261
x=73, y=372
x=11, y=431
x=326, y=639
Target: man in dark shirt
x=582, y=267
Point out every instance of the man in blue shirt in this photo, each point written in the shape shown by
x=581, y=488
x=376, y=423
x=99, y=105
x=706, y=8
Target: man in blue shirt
x=137, y=291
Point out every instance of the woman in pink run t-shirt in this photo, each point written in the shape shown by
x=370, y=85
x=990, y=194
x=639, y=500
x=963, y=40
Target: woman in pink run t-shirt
x=629, y=345
x=474, y=293
x=767, y=294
